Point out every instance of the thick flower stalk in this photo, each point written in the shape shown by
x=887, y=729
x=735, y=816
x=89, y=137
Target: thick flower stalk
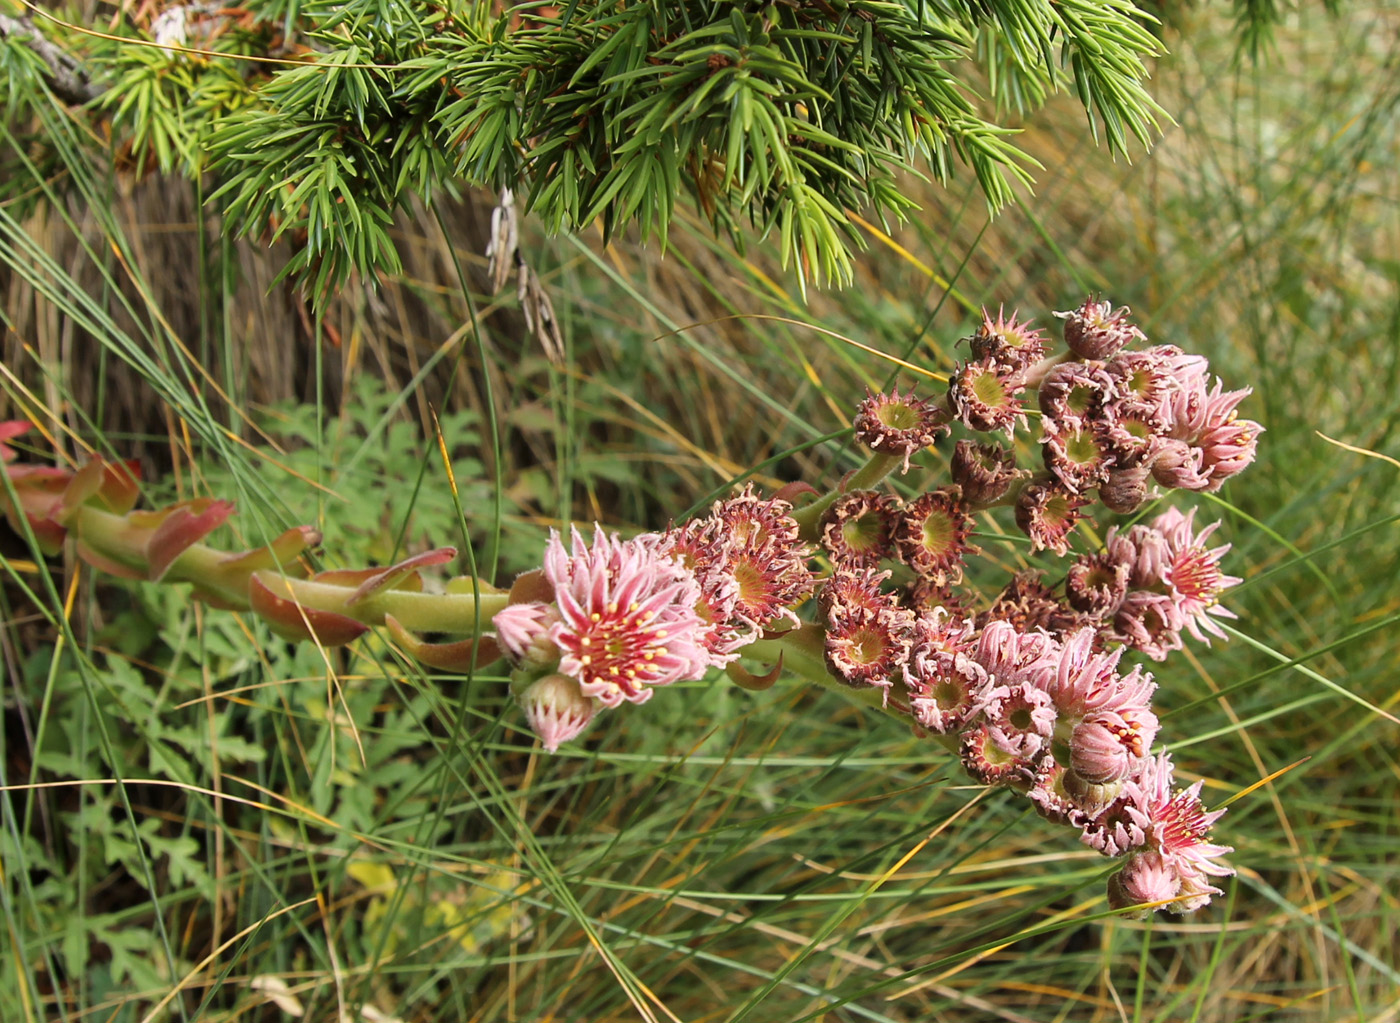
x=1027, y=687
x=94, y=506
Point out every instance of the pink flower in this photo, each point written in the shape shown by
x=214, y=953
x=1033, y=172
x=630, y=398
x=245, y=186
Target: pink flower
x=1084, y=681
x=1145, y=877
x=1131, y=439
x=857, y=528
x=522, y=630
x=1192, y=572
x=1208, y=423
x=1195, y=408
x=984, y=395
x=1020, y=717
x=945, y=684
x=1049, y=795
x=556, y=709
x=1096, y=330
x=867, y=632
x=898, y=425
x=1009, y=654
x=1107, y=716
x=1176, y=826
x=931, y=535
x=1074, y=394
x=704, y=550
x=1047, y=513
x=1009, y=342
x=763, y=551
x=1227, y=447
x=1150, y=623
x=627, y=618
x=1105, y=746
x=1150, y=817
x=1078, y=456
x=1143, y=550
x=1179, y=466
x=1145, y=381
x=991, y=761
x=1179, y=829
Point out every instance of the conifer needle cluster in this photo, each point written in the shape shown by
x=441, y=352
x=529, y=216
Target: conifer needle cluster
x=316, y=121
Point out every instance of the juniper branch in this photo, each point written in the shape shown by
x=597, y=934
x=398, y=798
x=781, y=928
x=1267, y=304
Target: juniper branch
x=65, y=74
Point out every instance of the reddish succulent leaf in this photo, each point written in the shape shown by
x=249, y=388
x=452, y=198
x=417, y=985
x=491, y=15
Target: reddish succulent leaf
x=348, y=577
x=105, y=564
x=82, y=485
x=276, y=554
x=405, y=573
x=9, y=429
x=49, y=534
x=530, y=587
x=218, y=601
x=792, y=491
x=151, y=519
x=291, y=620
x=48, y=479
x=185, y=526
x=120, y=485
x=745, y=679
x=461, y=656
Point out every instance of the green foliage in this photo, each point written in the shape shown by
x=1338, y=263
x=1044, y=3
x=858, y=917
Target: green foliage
x=784, y=115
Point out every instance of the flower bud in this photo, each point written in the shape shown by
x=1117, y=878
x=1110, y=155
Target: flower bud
x=1097, y=752
x=1146, y=877
x=1088, y=796
x=1179, y=466
x=1125, y=489
x=984, y=471
x=522, y=630
x=556, y=709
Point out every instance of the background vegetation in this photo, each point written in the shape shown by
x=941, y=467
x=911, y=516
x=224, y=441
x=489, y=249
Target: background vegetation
x=198, y=817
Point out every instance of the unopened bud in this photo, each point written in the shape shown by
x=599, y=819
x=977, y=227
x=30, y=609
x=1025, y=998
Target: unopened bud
x=556, y=709
x=1125, y=489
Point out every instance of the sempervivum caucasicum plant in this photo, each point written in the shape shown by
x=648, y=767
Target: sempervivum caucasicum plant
x=1029, y=689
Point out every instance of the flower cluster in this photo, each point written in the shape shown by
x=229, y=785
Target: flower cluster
x=606, y=623
x=1058, y=721
x=1113, y=419
x=1027, y=688
x=1170, y=582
